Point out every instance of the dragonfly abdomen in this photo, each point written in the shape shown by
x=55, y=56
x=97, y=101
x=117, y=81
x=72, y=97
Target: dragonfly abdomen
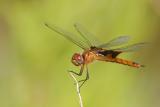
x=126, y=62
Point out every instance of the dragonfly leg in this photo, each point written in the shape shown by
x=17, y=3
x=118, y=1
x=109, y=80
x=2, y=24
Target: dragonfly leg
x=84, y=80
x=80, y=73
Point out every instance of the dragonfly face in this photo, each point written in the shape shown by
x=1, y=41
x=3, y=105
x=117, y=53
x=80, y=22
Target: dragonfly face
x=77, y=59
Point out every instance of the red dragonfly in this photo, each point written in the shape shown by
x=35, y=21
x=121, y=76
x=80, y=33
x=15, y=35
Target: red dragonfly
x=93, y=50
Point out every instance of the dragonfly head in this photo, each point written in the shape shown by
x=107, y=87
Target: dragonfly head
x=77, y=59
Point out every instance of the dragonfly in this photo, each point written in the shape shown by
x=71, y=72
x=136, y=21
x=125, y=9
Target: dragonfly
x=94, y=50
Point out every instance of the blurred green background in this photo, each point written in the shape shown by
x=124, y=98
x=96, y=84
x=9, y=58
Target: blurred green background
x=34, y=60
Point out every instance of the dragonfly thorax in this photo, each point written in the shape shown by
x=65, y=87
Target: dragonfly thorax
x=77, y=59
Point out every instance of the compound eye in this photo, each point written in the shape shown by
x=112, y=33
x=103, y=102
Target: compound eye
x=77, y=59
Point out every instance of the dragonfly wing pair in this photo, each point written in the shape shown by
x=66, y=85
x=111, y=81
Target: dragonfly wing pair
x=115, y=42
x=71, y=37
x=90, y=41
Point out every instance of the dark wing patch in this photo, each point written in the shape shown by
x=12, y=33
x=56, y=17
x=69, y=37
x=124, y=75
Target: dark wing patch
x=109, y=52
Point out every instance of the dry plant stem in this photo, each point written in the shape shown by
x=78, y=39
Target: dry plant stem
x=77, y=88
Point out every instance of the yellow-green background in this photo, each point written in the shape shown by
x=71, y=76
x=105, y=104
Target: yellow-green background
x=34, y=60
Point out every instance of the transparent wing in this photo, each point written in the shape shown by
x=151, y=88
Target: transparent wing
x=71, y=37
x=131, y=48
x=89, y=38
x=115, y=42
